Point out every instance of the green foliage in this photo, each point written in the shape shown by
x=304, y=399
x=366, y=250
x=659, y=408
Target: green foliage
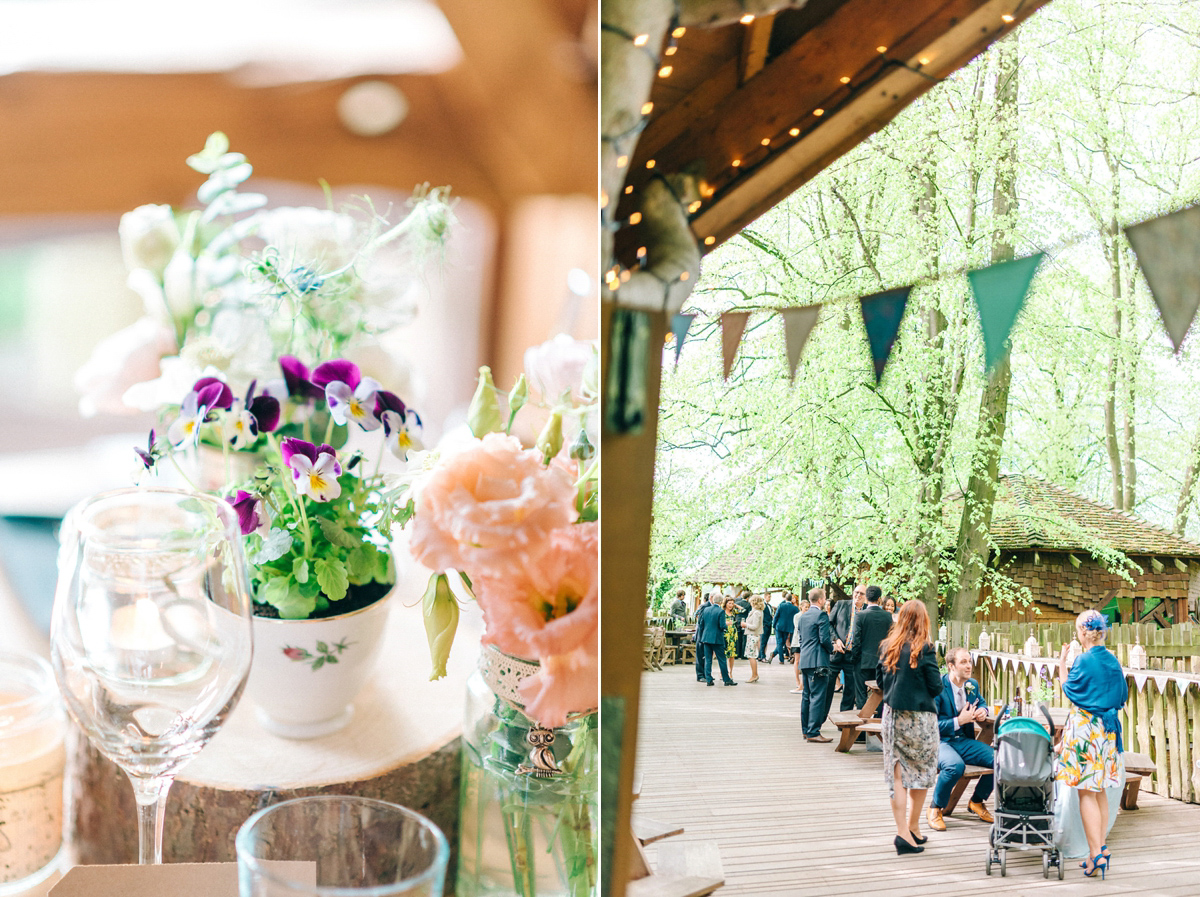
x=835, y=475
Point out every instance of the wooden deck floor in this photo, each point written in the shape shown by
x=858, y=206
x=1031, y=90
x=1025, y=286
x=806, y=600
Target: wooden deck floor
x=793, y=818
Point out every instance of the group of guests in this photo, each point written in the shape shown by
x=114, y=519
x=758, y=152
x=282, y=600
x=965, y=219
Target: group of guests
x=928, y=731
x=928, y=719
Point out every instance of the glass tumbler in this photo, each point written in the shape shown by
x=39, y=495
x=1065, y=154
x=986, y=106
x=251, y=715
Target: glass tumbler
x=32, y=758
x=339, y=846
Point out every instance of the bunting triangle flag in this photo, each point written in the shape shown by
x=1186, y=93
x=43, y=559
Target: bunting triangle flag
x=733, y=325
x=797, y=325
x=1000, y=292
x=882, y=314
x=1168, y=249
x=680, y=324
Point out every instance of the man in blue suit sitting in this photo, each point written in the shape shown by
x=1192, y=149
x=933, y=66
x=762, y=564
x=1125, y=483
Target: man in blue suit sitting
x=959, y=709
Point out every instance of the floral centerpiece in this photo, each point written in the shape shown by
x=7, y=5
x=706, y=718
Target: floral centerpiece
x=240, y=301
x=522, y=524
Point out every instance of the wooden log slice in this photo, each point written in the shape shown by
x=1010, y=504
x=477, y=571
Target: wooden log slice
x=402, y=745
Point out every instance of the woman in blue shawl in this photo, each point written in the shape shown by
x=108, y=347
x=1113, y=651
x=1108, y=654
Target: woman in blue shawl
x=1090, y=752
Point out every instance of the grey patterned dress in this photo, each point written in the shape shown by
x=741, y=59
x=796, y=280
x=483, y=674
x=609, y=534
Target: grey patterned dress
x=910, y=738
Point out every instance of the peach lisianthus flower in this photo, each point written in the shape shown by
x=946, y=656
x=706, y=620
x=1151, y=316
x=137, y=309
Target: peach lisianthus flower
x=489, y=509
x=566, y=683
x=552, y=606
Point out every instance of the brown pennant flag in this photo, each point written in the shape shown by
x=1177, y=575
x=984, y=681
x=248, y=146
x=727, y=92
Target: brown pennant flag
x=797, y=325
x=733, y=325
x=1168, y=250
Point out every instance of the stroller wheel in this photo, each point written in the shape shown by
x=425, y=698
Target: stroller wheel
x=1058, y=856
x=1003, y=863
x=989, y=863
x=1045, y=864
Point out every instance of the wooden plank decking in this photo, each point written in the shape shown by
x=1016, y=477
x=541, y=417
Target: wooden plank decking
x=793, y=818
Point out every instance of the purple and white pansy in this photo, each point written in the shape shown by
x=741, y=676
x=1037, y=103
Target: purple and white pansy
x=315, y=468
x=185, y=430
x=400, y=424
x=251, y=513
x=350, y=396
x=244, y=420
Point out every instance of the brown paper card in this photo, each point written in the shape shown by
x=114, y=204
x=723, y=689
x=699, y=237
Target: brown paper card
x=168, y=880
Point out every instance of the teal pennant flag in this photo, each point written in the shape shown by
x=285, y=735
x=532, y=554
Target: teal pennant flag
x=1000, y=292
x=882, y=314
x=680, y=324
x=1168, y=250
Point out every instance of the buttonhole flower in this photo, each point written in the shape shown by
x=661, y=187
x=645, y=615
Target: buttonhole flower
x=351, y=397
x=315, y=468
x=251, y=514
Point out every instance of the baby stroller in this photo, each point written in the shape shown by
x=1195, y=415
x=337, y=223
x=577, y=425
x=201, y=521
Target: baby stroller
x=1024, y=817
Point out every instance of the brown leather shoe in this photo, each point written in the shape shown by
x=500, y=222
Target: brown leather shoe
x=979, y=810
x=934, y=817
x=819, y=739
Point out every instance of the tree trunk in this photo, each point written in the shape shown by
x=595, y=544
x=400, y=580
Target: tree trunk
x=1184, y=505
x=972, y=550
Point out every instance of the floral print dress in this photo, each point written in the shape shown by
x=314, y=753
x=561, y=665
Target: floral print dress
x=1089, y=759
x=731, y=634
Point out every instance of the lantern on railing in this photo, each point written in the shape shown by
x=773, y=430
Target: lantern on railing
x=985, y=641
x=1073, y=651
x=1032, y=648
x=1137, y=654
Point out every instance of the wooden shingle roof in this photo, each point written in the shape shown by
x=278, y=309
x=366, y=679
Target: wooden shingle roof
x=1033, y=514
x=735, y=564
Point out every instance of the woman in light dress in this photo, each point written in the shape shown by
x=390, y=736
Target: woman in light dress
x=795, y=645
x=753, y=625
x=1089, y=755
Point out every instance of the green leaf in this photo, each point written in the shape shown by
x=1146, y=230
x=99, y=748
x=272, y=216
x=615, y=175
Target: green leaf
x=331, y=659
x=361, y=562
x=277, y=543
x=209, y=159
x=331, y=575
x=318, y=663
x=282, y=594
x=322, y=647
x=336, y=534
x=300, y=570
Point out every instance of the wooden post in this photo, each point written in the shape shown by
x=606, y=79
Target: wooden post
x=628, y=485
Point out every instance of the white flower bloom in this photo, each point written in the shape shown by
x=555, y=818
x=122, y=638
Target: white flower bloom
x=119, y=361
x=149, y=237
x=563, y=370
x=317, y=481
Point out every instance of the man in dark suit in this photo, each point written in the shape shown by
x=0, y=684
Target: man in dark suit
x=742, y=603
x=710, y=637
x=958, y=710
x=768, y=626
x=871, y=626
x=706, y=602
x=815, y=645
x=841, y=622
x=785, y=617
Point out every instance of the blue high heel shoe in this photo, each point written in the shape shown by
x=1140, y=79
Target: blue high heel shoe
x=1107, y=856
x=1099, y=863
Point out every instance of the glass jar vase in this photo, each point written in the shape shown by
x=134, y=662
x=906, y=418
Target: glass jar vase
x=525, y=830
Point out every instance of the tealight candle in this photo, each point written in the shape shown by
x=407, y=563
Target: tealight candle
x=138, y=628
x=32, y=758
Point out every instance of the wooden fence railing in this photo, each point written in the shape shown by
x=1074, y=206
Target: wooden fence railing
x=1161, y=719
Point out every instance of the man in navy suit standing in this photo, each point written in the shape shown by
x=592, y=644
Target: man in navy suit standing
x=871, y=627
x=710, y=637
x=958, y=710
x=815, y=646
x=785, y=616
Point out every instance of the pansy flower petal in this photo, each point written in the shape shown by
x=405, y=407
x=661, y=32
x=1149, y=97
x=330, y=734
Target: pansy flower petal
x=339, y=370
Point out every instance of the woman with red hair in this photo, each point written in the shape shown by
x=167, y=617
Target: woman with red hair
x=909, y=677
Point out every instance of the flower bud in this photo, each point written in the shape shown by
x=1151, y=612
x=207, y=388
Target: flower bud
x=440, y=610
x=582, y=448
x=484, y=416
x=550, y=440
x=518, y=396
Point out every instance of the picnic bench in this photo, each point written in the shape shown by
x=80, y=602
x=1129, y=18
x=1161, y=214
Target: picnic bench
x=684, y=870
x=1136, y=766
x=853, y=723
x=970, y=774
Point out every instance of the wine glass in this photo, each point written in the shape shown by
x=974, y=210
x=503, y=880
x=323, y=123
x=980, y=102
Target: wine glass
x=151, y=637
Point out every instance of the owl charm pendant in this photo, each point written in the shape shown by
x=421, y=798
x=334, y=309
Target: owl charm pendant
x=541, y=740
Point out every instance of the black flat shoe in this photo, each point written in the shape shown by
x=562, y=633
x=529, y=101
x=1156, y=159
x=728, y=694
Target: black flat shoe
x=917, y=837
x=903, y=846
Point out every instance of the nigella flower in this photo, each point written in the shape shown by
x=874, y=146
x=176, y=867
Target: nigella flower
x=315, y=468
x=400, y=424
x=350, y=395
x=252, y=516
x=298, y=379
